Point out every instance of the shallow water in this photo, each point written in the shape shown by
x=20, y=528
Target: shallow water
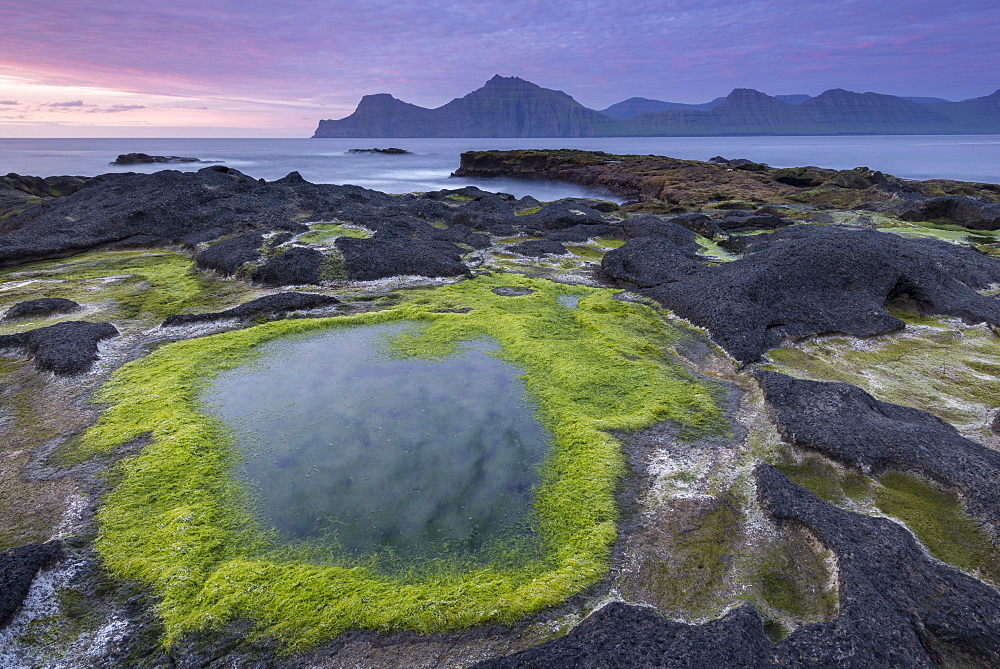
x=373, y=454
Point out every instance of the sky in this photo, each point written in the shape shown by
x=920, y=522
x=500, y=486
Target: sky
x=249, y=68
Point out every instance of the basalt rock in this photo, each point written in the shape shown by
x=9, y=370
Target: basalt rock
x=295, y=267
x=64, y=348
x=538, y=248
x=849, y=425
x=43, y=306
x=228, y=255
x=581, y=233
x=146, y=159
x=558, y=215
x=645, y=226
x=809, y=280
x=968, y=212
x=898, y=608
x=752, y=221
x=269, y=305
x=392, y=150
x=170, y=207
x=18, y=568
x=387, y=254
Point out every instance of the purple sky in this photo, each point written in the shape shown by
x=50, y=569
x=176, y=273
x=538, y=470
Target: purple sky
x=253, y=68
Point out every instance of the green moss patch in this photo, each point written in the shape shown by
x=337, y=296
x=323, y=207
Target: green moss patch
x=938, y=519
x=179, y=523
x=325, y=232
x=138, y=284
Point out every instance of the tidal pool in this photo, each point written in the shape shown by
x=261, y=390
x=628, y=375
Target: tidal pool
x=372, y=454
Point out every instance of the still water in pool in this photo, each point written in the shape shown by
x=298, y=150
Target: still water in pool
x=347, y=445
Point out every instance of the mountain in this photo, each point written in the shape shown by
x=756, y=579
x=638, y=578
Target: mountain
x=504, y=107
x=638, y=106
x=513, y=107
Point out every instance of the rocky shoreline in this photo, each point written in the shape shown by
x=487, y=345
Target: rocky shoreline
x=815, y=523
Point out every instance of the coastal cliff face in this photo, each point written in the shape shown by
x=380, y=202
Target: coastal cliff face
x=504, y=107
x=513, y=107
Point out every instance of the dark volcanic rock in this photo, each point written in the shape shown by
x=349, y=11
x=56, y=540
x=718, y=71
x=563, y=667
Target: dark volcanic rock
x=619, y=635
x=581, y=233
x=146, y=159
x=392, y=150
x=698, y=224
x=849, y=425
x=898, y=608
x=64, y=348
x=809, y=280
x=557, y=215
x=42, y=187
x=387, y=254
x=170, y=206
x=18, y=568
x=965, y=211
x=753, y=221
x=262, y=306
x=43, y=306
x=296, y=266
x=228, y=255
x=651, y=261
x=539, y=248
x=643, y=226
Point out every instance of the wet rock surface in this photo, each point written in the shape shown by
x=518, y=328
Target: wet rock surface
x=18, y=568
x=539, y=248
x=43, y=306
x=810, y=280
x=65, y=348
x=268, y=305
x=898, y=607
x=388, y=254
x=849, y=425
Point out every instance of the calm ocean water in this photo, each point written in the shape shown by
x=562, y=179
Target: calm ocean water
x=966, y=157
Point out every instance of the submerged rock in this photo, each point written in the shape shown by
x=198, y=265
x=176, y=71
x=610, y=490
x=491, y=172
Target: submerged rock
x=262, y=306
x=65, y=348
x=18, y=568
x=43, y=306
x=849, y=425
x=806, y=280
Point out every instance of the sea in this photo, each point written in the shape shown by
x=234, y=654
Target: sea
x=429, y=167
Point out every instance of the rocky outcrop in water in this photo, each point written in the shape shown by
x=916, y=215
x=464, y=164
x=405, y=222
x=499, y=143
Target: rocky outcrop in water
x=898, y=608
x=146, y=159
x=809, y=280
x=266, y=306
x=849, y=425
x=18, y=568
x=65, y=348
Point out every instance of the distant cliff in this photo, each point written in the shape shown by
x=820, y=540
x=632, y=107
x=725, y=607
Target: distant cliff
x=513, y=107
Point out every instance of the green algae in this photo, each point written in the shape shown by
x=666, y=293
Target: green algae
x=138, y=284
x=325, y=232
x=940, y=366
x=938, y=519
x=178, y=523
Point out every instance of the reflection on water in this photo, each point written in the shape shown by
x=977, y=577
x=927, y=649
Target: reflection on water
x=414, y=456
